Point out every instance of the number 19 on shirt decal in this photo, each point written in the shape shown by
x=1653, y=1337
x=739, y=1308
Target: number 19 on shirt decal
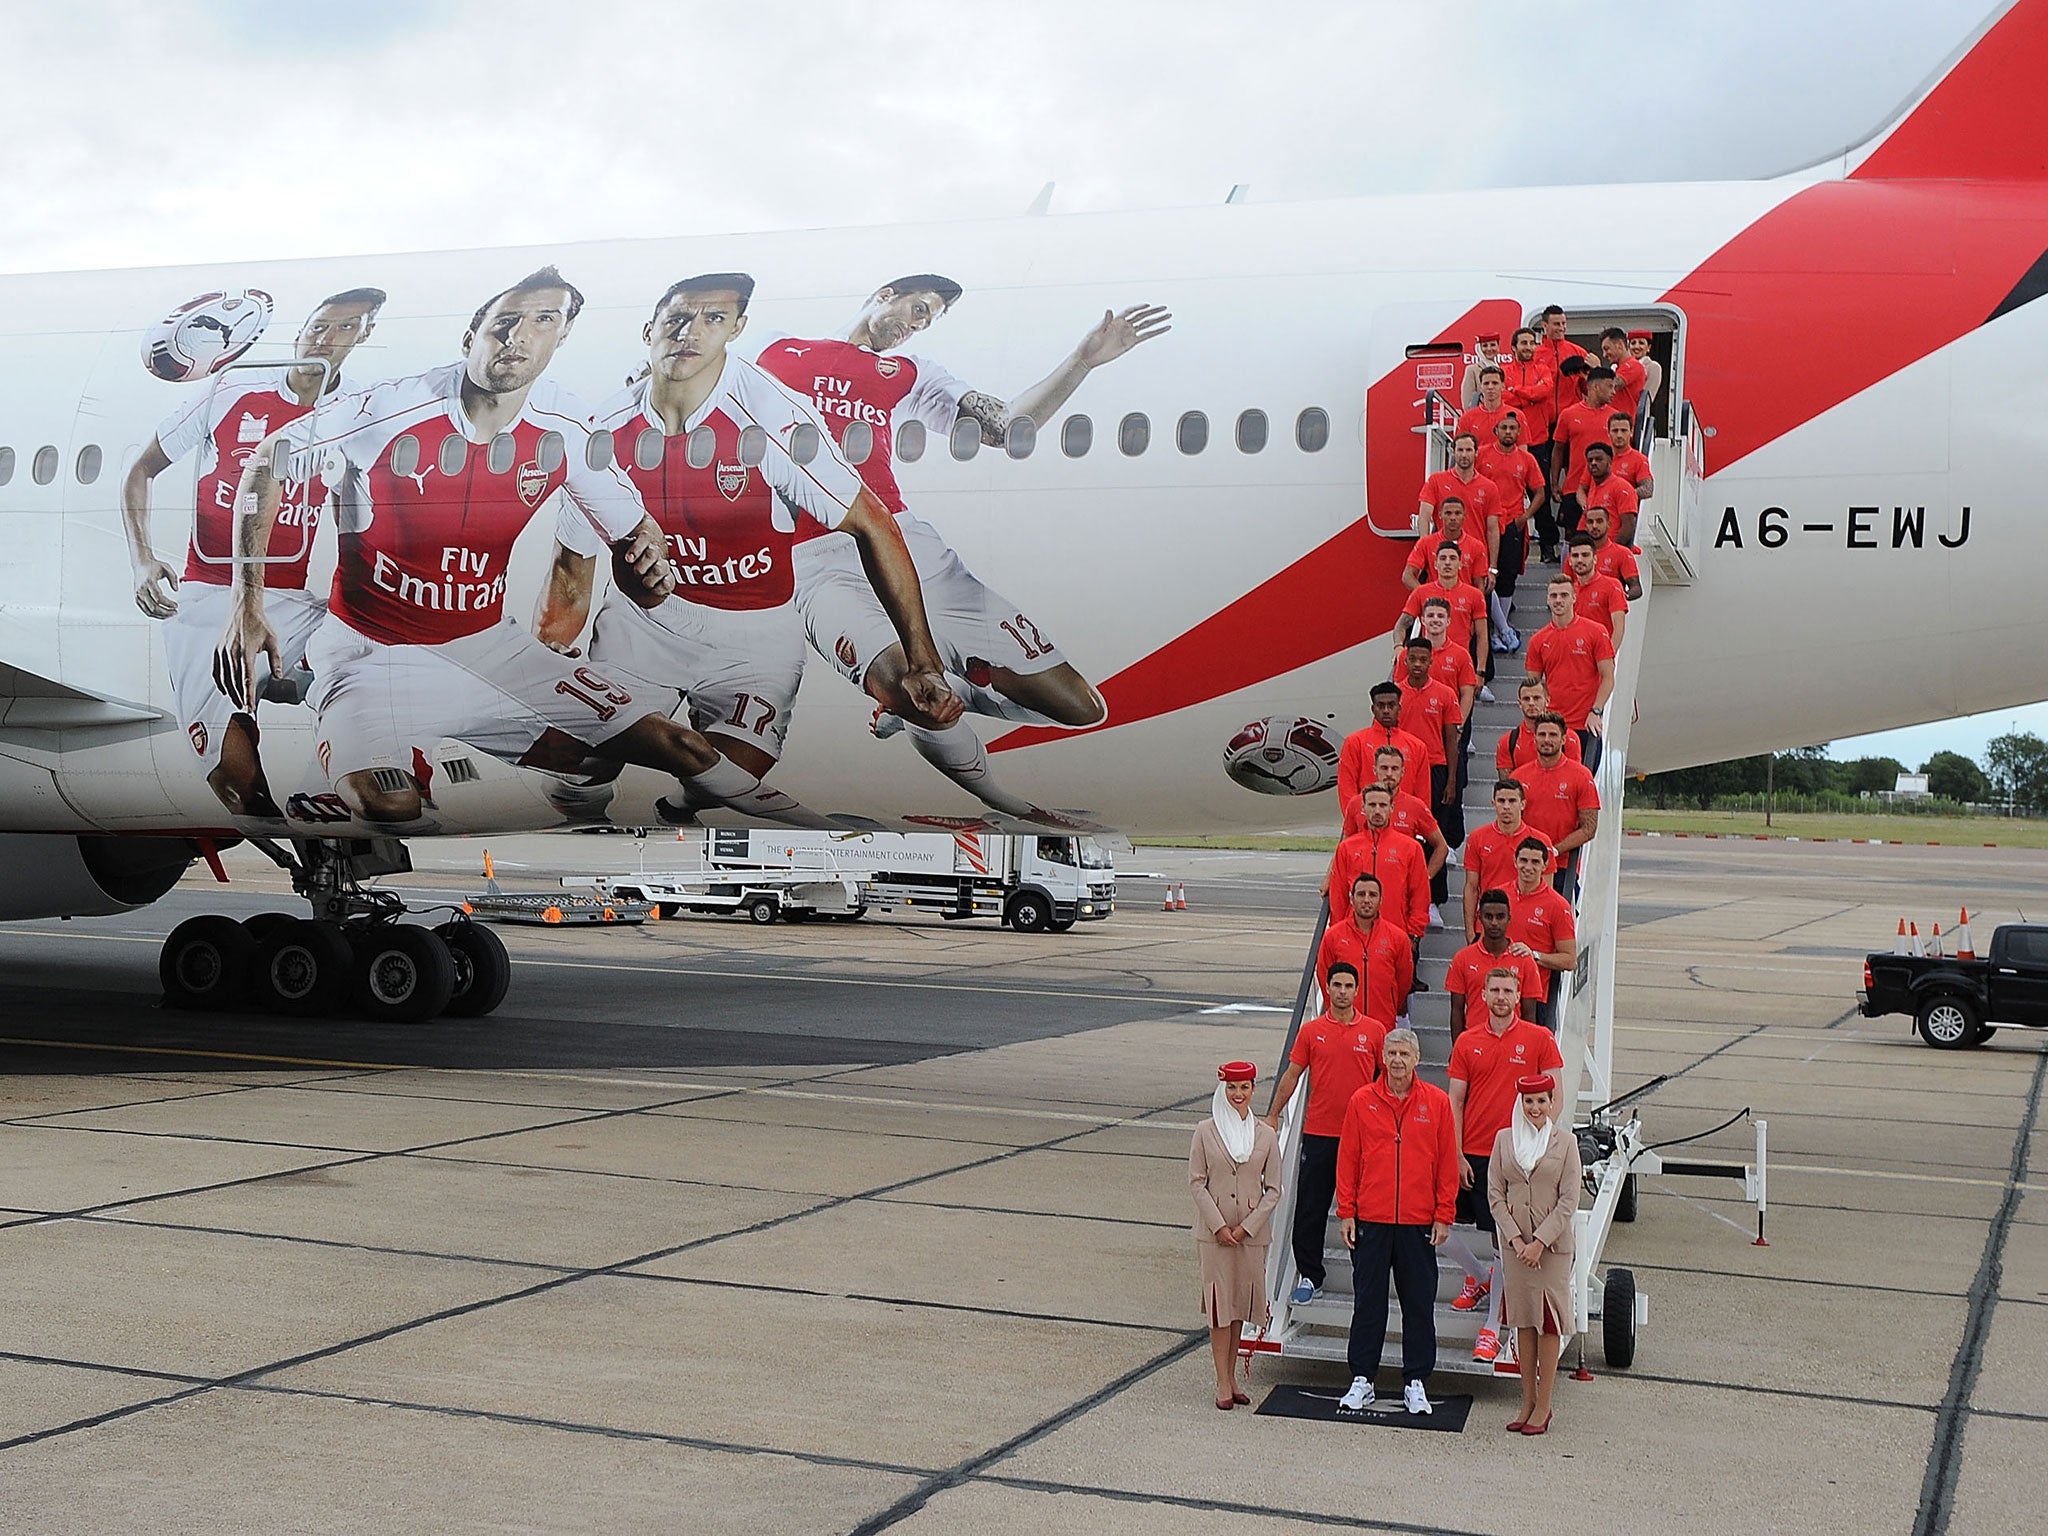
x=604, y=698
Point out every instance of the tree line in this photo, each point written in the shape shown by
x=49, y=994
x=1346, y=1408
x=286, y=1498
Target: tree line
x=2014, y=772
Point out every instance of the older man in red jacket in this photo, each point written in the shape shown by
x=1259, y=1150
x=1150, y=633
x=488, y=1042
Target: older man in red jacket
x=1397, y=1190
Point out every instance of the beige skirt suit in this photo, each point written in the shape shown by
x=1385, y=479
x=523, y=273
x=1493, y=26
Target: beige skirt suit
x=1538, y=1205
x=1231, y=1194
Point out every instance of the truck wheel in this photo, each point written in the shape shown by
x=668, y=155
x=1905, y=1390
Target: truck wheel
x=1982, y=1035
x=1948, y=1021
x=761, y=910
x=1030, y=912
x=1618, y=1319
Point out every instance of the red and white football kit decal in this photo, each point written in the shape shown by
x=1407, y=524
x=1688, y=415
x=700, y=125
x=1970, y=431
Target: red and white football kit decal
x=227, y=425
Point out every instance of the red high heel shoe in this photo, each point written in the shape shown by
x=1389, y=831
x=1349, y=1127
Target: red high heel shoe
x=1539, y=1429
x=1240, y=1399
x=1516, y=1426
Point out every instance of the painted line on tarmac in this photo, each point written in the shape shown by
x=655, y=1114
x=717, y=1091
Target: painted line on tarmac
x=174, y=1050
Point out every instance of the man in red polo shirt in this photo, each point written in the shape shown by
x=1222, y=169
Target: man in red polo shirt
x=1393, y=857
x=1541, y=922
x=1486, y=1063
x=1458, y=533
x=1355, y=767
x=1340, y=1052
x=1594, y=596
x=1466, y=979
x=1467, y=605
x=1605, y=491
x=1630, y=462
x=1629, y=374
x=1430, y=713
x=1578, y=427
x=1420, y=822
x=1518, y=746
x=1554, y=349
x=1562, y=803
x=1519, y=489
x=1484, y=414
x=1381, y=952
x=1448, y=664
x=1575, y=659
x=1532, y=390
x=1461, y=480
x=1614, y=559
x=1490, y=850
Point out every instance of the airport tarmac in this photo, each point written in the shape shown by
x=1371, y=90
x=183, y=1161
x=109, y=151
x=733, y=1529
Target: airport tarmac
x=884, y=1226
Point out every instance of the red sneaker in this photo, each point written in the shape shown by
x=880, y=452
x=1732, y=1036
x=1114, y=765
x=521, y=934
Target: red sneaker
x=1474, y=1293
x=1486, y=1346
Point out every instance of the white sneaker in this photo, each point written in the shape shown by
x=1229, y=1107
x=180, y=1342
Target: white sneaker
x=1436, y=918
x=1452, y=859
x=1360, y=1395
x=1485, y=694
x=1414, y=1399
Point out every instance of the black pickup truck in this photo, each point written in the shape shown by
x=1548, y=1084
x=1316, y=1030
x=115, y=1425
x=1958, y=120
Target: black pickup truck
x=1956, y=1003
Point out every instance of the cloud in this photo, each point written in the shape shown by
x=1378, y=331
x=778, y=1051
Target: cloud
x=186, y=131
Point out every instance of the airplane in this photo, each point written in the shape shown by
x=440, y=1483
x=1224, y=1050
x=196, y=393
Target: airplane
x=330, y=554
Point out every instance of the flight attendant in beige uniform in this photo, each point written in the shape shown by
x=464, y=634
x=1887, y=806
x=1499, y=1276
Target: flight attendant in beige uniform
x=1532, y=1186
x=1234, y=1171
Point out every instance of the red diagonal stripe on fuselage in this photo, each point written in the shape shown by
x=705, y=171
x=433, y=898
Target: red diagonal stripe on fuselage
x=1840, y=286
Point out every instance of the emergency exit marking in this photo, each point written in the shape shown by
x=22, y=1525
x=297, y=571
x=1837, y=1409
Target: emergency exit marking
x=1858, y=527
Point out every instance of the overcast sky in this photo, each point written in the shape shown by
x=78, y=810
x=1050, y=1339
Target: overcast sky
x=145, y=132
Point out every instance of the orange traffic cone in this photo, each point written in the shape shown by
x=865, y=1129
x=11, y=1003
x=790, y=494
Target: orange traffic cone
x=1180, y=897
x=1899, y=945
x=1913, y=932
x=1934, y=944
x=1168, y=905
x=1966, y=947
x=489, y=871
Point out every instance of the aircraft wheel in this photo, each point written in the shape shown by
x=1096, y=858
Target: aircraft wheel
x=404, y=975
x=1948, y=1022
x=483, y=970
x=302, y=968
x=260, y=926
x=1618, y=1319
x=205, y=963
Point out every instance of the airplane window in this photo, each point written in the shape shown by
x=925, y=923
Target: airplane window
x=453, y=455
x=858, y=444
x=1134, y=433
x=648, y=448
x=6, y=465
x=88, y=466
x=552, y=451
x=804, y=443
x=1312, y=430
x=597, y=452
x=753, y=446
x=700, y=448
x=1021, y=438
x=1077, y=436
x=910, y=441
x=1251, y=431
x=503, y=450
x=965, y=440
x=1191, y=433
x=405, y=455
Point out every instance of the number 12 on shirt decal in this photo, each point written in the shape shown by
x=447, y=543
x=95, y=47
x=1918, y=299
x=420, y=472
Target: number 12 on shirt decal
x=604, y=697
x=1033, y=648
x=738, y=716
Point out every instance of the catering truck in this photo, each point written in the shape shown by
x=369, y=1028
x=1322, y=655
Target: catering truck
x=1033, y=883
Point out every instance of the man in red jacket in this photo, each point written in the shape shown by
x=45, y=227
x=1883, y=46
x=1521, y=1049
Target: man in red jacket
x=1381, y=952
x=1355, y=768
x=1394, y=857
x=1397, y=1190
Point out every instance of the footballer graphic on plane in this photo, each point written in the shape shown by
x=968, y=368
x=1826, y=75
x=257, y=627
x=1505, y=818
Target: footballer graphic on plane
x=695, y=530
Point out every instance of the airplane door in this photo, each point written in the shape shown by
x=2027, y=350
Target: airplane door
x=1417, y=356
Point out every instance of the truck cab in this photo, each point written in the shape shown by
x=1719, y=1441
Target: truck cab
x=1957, y=1002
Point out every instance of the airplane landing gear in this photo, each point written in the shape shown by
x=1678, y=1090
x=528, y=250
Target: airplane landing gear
x=352, y=956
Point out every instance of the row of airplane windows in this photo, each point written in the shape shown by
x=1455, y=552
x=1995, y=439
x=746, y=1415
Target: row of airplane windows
x=1076, y=437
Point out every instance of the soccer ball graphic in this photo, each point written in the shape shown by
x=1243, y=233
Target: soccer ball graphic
x=1282, y=755
x=205, y=334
